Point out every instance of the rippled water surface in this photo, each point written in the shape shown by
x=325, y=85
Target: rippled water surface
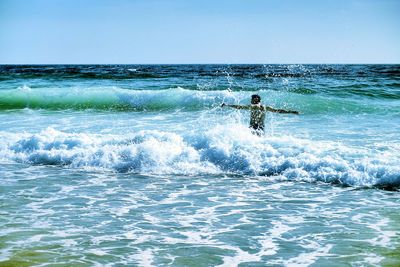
x=140, y=166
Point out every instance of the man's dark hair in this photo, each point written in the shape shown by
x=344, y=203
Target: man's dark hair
x=256, y=97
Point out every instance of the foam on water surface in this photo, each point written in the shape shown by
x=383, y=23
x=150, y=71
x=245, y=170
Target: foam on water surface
x=230, y=150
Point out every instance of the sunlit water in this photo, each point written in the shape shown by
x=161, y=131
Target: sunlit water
x=139, y=165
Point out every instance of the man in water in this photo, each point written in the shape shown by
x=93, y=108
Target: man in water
x=257, y=113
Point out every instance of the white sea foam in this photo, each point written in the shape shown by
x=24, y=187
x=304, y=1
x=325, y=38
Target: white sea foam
x=145, y=258
x=306, y=259
x=240, y=257
x=384, y=237
x=97, y=252
x=373, y=259
x=231, y=150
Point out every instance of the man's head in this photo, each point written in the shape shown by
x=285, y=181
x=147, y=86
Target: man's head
x=255, y=99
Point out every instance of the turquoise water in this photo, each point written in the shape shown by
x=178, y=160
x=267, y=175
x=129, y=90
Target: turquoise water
x=139, y=165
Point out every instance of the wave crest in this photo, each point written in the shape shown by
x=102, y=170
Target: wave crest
x=218, y=151
x=118, y=99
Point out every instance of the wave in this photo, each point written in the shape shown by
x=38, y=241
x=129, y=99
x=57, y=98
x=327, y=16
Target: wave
x=110, y=99
x=118, y=99
x=220, y=150
x=386, y=91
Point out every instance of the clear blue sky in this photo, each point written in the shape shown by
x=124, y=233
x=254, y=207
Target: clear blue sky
x=202, y=31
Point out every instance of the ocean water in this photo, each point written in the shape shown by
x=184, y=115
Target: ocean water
x=114, y=165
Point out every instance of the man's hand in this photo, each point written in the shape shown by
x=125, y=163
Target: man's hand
x=223, y=105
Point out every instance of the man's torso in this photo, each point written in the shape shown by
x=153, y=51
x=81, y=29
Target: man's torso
x=257, y=117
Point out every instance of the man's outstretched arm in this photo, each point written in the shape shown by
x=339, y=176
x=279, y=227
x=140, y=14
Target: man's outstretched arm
x=281, y=110
x=235, y=106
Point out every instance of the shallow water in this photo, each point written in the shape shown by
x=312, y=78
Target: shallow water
x=58, y=215
x=108, y=165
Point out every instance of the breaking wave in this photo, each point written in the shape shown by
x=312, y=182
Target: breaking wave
x=119, y=99
x=221, y=150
